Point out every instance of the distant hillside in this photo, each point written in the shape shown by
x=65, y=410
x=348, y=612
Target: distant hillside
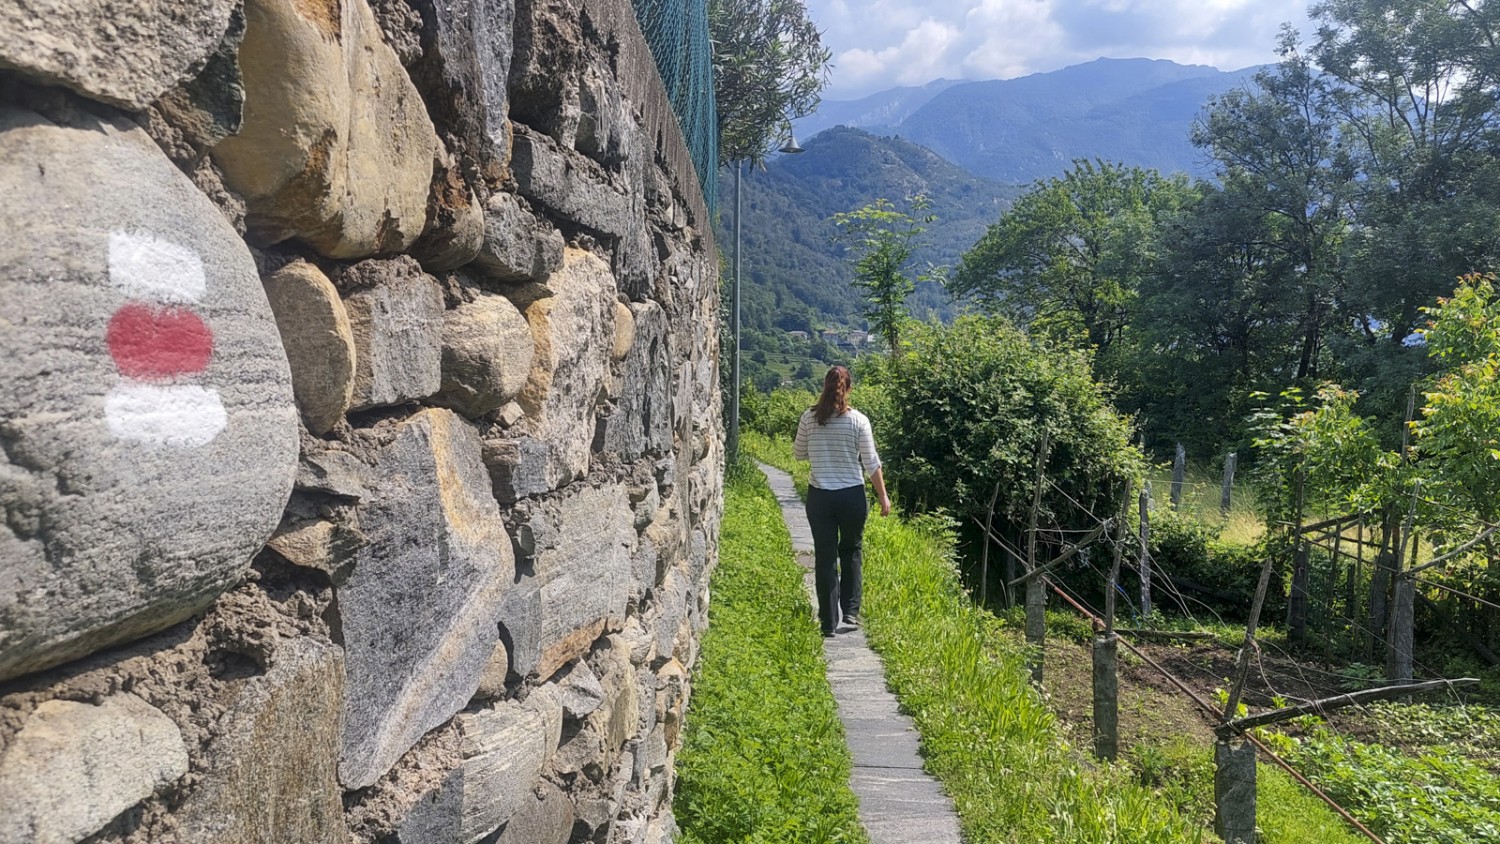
x=795, y=276
x=1137, y=111
x=875, y=112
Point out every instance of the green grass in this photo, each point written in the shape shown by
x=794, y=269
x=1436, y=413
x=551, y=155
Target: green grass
x=1201, y=491
x=996, y=745
x=764, y=758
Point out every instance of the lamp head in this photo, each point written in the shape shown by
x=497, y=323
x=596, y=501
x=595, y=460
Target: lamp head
x=791, y=147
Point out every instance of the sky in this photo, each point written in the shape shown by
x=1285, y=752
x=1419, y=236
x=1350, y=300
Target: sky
x=879, y=44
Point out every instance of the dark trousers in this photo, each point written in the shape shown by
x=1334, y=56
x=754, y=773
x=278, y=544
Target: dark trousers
x=837, y=518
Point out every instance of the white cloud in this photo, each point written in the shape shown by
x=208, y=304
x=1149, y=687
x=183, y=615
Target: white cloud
x=883, y=43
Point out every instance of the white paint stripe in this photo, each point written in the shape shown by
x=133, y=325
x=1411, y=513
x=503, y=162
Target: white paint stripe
x=146, y=267
x=183, y=416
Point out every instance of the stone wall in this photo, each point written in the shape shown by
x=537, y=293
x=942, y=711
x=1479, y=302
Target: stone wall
x=359, y=448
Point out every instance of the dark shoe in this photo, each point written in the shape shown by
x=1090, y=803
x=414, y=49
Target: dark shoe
x=845, y=628
x=854, y=620
x=827, y=634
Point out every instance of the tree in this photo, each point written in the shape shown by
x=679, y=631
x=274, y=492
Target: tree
x=880, y=241
x=769, y=68
x=1067, y=259
x=1415, y=83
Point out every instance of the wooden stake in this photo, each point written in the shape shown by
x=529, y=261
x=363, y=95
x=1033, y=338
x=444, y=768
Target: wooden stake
x=1145, y=552
x=1179, y=474
x=1225, y=494
x=1036, y=589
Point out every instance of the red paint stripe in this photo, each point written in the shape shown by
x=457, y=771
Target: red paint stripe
x=153, y=343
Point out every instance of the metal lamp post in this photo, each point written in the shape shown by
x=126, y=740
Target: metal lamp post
x=732, y=445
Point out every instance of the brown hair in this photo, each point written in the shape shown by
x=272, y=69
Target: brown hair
x=835, y=397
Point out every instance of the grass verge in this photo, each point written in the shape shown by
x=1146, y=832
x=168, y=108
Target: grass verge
x=764, y=758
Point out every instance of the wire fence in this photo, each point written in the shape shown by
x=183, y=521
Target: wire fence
x=677, y=33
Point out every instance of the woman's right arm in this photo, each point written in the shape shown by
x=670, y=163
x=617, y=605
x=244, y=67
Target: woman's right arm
x=799, y=442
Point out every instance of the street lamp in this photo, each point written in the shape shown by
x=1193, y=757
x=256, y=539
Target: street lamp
x=733, y=444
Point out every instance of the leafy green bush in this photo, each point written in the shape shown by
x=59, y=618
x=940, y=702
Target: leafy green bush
x=1221, y=575
x=972, y=402
x=775, y=414
x=764, y=759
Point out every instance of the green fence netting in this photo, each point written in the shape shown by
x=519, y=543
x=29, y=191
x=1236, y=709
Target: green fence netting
x=677, y=32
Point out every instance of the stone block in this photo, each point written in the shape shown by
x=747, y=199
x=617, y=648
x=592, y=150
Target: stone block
x=545, y=68
x=487, y=351
x=545, y=817
x=398, y=335
x=124, y=54
x=671, y=700
x=580, y=690
x=419, y=612
x=642, y=421
x=496, y=670
x=139, y=365
x=518, y=246
x=580, y=579
x=340, y=153
x=463, y=72
x=271, y=774
x=74, y=766
x=574, y=187
x=319, y=343
x=455, y=224
x=319, y=544
x=337, y=473
x=573, y=332
x=210, y=106
x=624, y=331
x=505, y=750
x=519, y=468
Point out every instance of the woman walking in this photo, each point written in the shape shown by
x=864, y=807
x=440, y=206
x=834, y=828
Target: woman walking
x=836, y=439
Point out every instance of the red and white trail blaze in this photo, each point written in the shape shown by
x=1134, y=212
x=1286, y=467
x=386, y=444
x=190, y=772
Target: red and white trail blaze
x=159, y=343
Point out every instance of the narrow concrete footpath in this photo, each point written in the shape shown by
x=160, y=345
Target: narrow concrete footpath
x=899, y=803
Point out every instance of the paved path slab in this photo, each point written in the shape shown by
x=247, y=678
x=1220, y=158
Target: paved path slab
x=899, y=803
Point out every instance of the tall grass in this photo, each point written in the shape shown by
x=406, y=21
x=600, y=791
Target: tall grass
x=1201, y=496
x=764, y=758
x=985, y=733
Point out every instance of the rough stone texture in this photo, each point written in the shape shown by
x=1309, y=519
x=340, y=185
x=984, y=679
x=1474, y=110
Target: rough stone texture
x=128, y=502
x=545, y=817
x=574, y=334
x=123, y=52
x=74, y=766
x=455, y=225
x=463, y=73
x=519, y=468
x=339, y=154
x=271, y=775
x=318, y=340
x=487, y=352
x=580, y=690
x=545, y=68
x=419, y=612
x=580, y=580
x=505, y=750
x=642, y=421
x=624, y=331
x=398, y=335
x=517, y=245
x=210, y=106
x=496, y=672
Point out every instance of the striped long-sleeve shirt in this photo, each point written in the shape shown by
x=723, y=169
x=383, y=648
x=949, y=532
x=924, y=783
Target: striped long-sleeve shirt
x=841, y=452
